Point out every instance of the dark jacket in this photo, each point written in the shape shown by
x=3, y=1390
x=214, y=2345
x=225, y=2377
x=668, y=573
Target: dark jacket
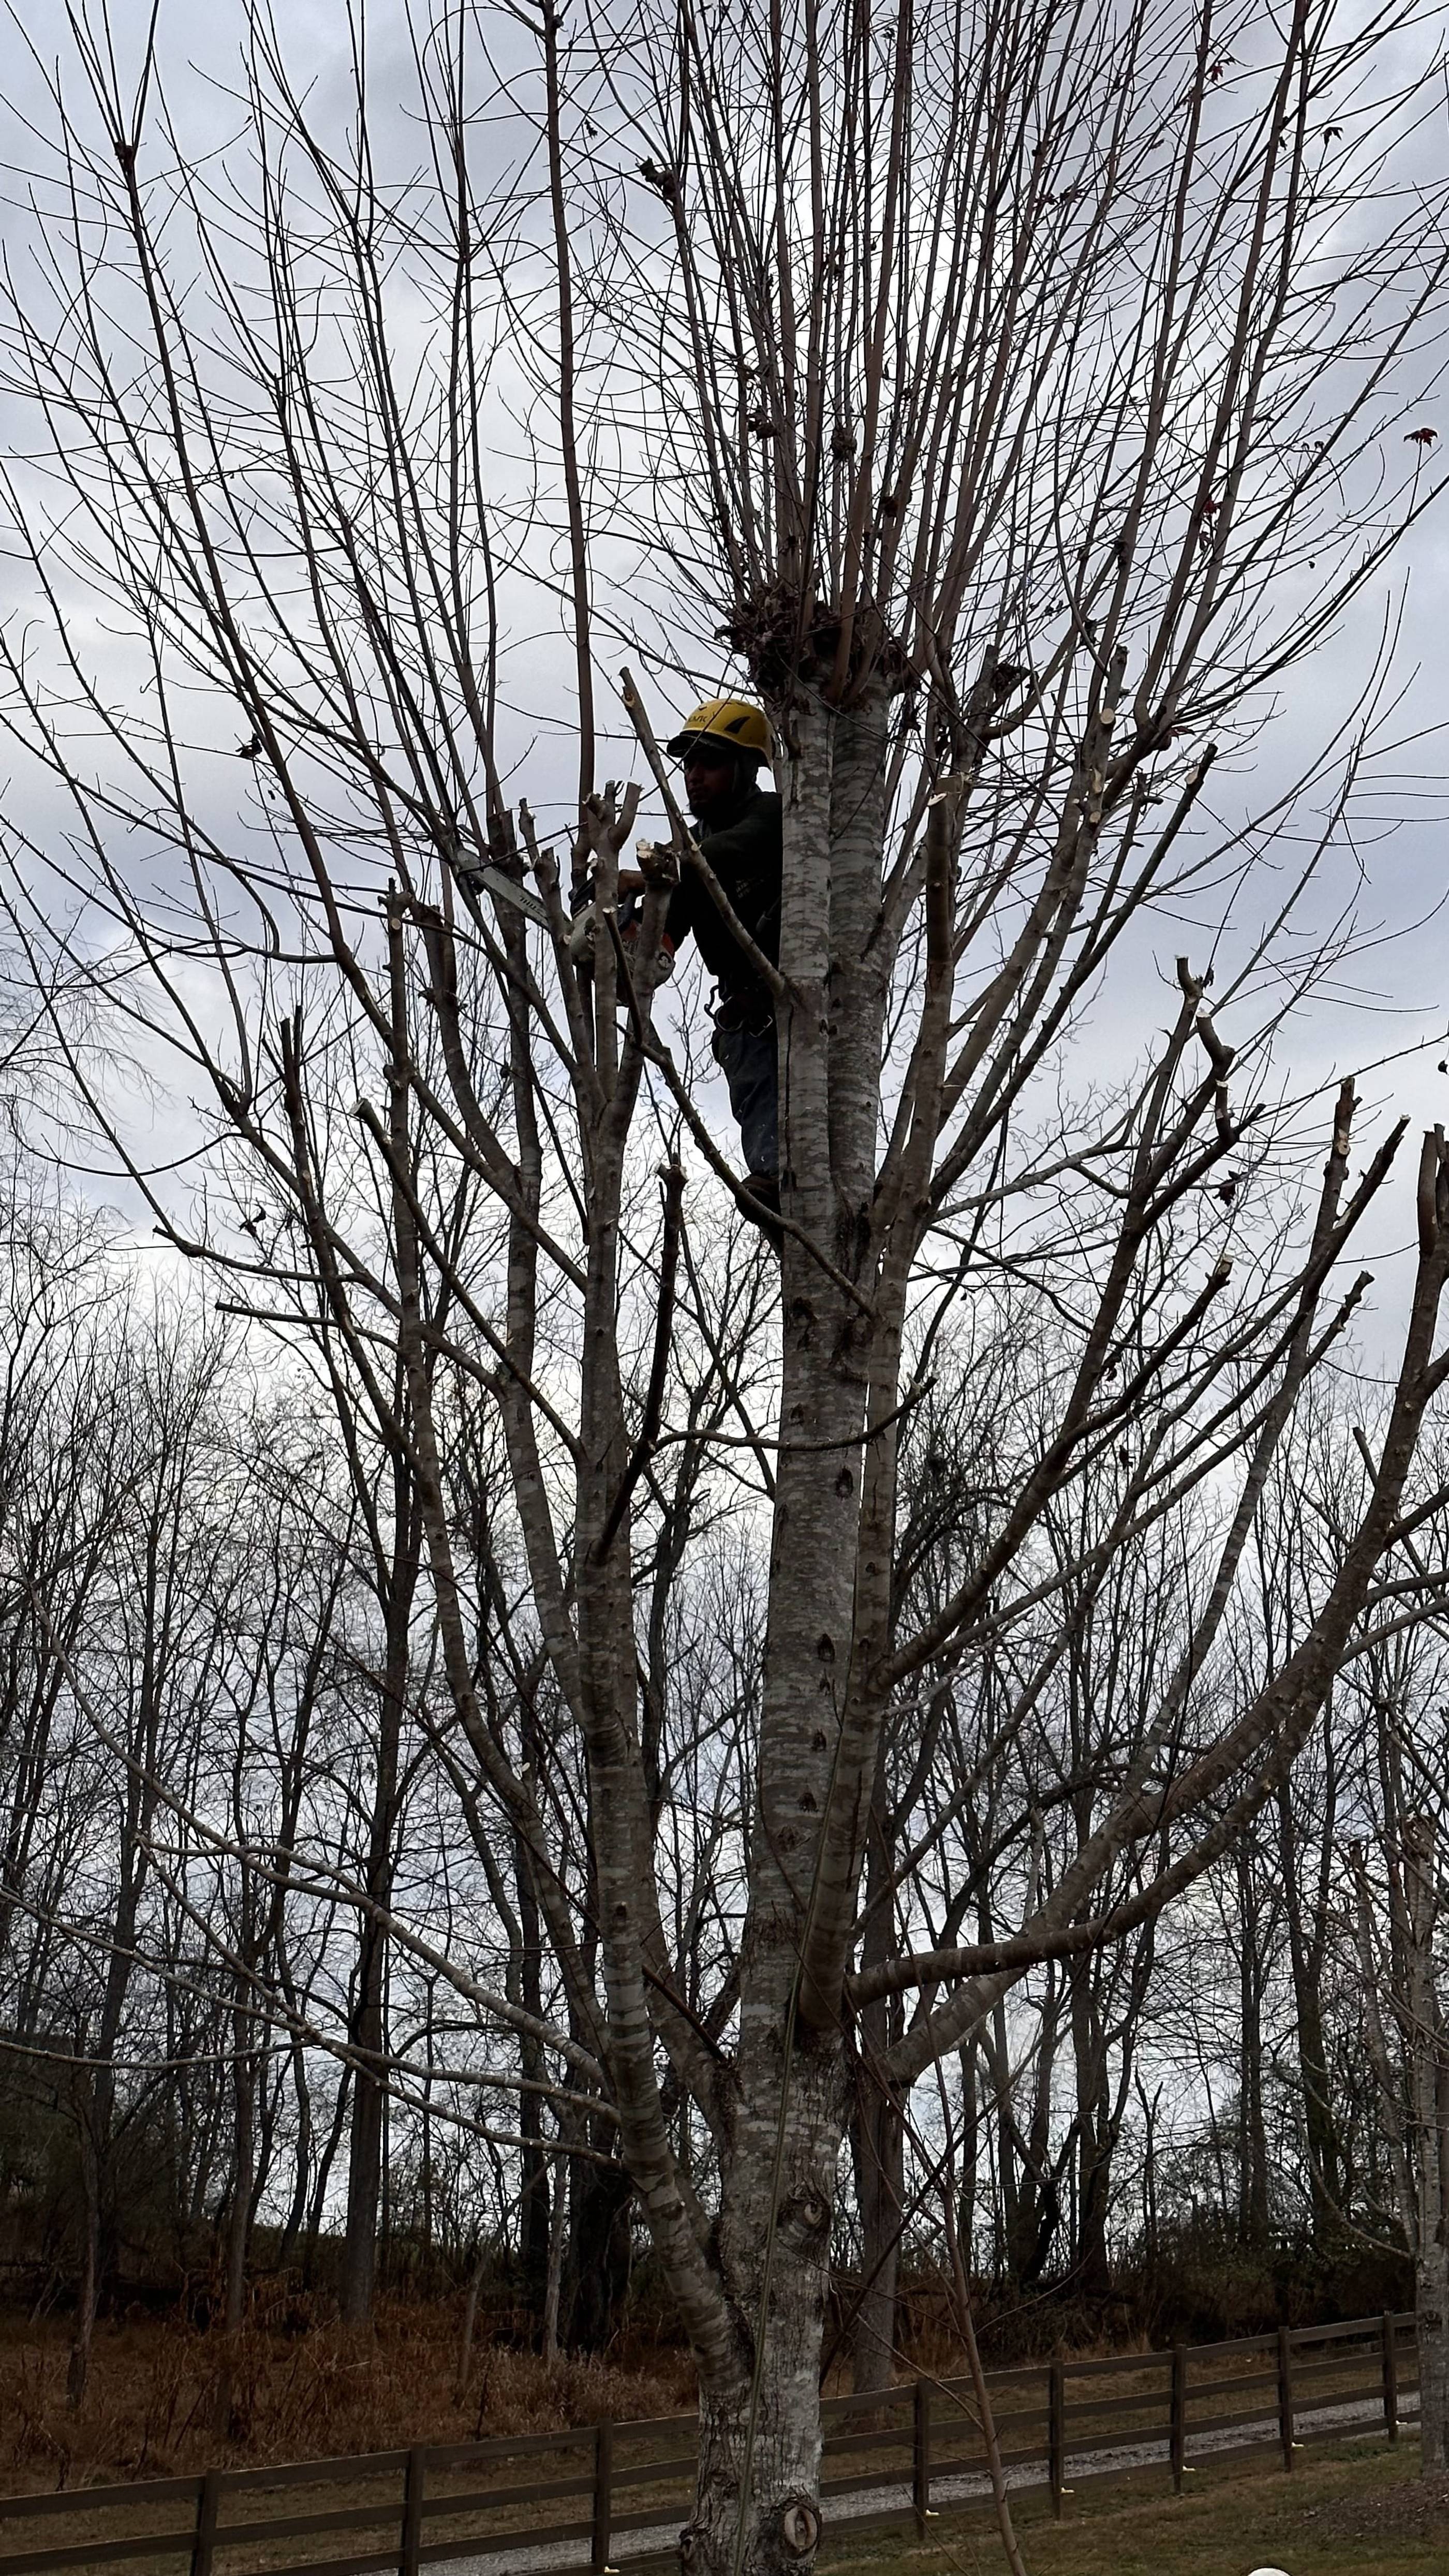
x=742, y=843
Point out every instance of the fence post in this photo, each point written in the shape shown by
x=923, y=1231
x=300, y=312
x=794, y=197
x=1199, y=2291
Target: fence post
x=1177, y=2421
x=204, y=2544
x=1391, y=2376
x=603, y=2496
x=1057, y=2434
x=921, y=2456
x=1285, y=2396
x=411, y=2540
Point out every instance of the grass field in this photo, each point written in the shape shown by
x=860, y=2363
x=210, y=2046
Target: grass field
x=1351, y=2509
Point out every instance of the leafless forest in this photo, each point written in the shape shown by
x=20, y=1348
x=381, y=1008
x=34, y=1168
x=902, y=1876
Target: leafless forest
x=271, y=2018
x=556, y=1752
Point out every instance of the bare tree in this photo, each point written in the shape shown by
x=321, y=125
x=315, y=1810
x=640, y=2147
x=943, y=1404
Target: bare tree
x=1011, y=392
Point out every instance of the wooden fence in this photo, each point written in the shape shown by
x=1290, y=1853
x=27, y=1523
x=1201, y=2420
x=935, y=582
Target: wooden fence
x=624, y=2489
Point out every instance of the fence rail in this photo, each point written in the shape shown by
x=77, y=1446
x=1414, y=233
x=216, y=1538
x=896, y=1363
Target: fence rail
x=904, y=2454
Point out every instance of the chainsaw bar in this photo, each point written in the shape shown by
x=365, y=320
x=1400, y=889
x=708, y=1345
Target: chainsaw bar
x=507, y=889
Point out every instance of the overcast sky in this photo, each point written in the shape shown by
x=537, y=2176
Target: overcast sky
x=1392, y=1001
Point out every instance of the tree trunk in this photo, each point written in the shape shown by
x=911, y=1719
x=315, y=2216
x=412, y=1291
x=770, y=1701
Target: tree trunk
x=553, y=2287
x=317, y=2208
x=1429, y=2098
x=88, y=2286
x=596, y=2270
x=535, y=2234
x=470, y=2320
x=364, y=2160
x=1254, y=2223
x=96, y=2091
x=1325, y=2155
x=761, y=2462
x=970, y=2155
x=239, y=2224
x=1094, y=2135
x=1431, y=2320
x=759, y=2426
x=1005, y=2208
x=877, y=2128
x=1035, y=2199
x=757, y=2502
x=879, y=2148
x=1150, y=2237
x=367, y=2034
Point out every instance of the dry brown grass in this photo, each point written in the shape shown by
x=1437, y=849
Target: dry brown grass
x=303, y=2389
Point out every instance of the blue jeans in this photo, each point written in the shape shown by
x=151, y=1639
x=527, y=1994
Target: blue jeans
x=749, y=1060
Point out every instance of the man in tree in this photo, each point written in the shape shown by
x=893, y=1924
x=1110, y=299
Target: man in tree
x=721, y=747
x=902, y=506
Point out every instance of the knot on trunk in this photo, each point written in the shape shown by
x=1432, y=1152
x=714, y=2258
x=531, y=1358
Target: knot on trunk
x=810, y=2210
x=798, y=2522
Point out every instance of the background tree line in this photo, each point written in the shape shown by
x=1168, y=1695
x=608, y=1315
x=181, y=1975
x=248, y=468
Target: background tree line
x=242, y=1951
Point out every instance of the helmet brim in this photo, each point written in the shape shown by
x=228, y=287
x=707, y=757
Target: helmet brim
x=684, y=743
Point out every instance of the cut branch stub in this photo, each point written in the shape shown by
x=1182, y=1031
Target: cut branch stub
x=1432, y=1161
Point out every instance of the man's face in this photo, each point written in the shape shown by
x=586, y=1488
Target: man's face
x=710, y=776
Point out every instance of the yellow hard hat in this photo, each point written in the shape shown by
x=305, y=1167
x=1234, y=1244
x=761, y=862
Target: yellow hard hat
x=731, y=721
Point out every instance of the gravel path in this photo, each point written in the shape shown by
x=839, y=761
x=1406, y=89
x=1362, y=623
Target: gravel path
x=524, y=2559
